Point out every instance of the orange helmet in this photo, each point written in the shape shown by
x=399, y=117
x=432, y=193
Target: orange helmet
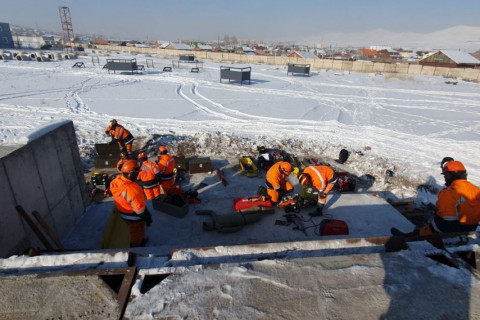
x=452, y=166
x=304, y=179
x=286, y=167
x=130, y=166
x=162, y=149
x=142, y=155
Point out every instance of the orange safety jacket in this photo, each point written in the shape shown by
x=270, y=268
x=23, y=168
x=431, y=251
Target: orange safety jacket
x=147, y=178
x=121, y=134
x=323, y=177
x=275, y=179
x=166, y=165
x=128, y=198
x=458, y=208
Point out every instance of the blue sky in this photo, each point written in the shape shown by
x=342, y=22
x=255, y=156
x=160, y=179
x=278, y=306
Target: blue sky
x=246, y=19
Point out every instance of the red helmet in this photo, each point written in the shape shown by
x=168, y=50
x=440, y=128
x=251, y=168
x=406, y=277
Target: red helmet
x=162, y=149
x=130, y=166
x=451, y=166
x=286, y=167
x=304, y=179
x=142, y=155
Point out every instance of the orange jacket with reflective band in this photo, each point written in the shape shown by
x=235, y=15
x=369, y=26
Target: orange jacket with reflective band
x=148, y=174
x=119, y=132
x=452, y=203
x=323, y=177
x=166, y=164
x=274, y=177
x=128, y=196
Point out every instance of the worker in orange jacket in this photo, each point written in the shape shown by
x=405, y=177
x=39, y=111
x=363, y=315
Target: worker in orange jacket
x=317, y=180
x=123, y=157
x=276, y=180
x=166, y=167
x=458, y=204
x=148, y=177
x=130, y=202
x=120, y=135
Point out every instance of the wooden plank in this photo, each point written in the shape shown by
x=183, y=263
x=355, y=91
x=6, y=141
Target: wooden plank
x=35, y=229
x=48, y=230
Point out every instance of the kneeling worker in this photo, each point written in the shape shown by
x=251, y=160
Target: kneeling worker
x=276, y=181
x=317, y=180
x=130, y=202
x=458, y=204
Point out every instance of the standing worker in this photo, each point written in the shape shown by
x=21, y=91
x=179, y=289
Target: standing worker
x=166, y=167
x=317, y=181
x=130, y=202
x=276, y=180
x=147, y=178
x=120, y=135
x=458, y=204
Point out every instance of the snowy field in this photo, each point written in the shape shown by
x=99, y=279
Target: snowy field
x=396, y=122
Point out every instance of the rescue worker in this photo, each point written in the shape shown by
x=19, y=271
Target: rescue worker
x=120, y=135
x=147, y=178
x=458, y=204
x=166, y=167
x=130, y=202
x=276, y=181
x=123, y=157
x=317, y=181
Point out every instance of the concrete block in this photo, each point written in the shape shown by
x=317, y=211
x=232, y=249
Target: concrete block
x=48, y=164
x=357, y=66
x=441, y=71
x=367, y=67
x=347, y=65
x=455, y=72
x=390, y=67
x=471, y=74
x=428, y=70
x=378, y=67
x=66, y=160
x=62, y=217
x=9, y=231
x=25, y=180
x=77, y=201
x=414, y=69
x=337, y=64
x=401, y=68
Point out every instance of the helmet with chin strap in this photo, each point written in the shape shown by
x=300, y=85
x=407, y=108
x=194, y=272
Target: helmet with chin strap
x=286, y=167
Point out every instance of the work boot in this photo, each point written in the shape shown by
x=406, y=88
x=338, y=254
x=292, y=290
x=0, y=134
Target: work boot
x=397, y=232
x=318, y=211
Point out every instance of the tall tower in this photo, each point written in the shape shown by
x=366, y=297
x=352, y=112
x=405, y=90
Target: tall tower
x=67, y=27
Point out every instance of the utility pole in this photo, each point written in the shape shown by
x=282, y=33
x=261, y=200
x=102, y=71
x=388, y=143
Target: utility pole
x=67, y=26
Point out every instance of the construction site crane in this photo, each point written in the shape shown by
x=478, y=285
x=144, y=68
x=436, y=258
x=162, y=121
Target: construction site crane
x=67, y=26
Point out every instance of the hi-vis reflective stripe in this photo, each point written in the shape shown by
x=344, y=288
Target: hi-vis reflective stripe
x=130, y=217
x=124, y=194
x=320, y=176
x=166, y=165
x=129, y=140
x=462, y=199
x=120, y=132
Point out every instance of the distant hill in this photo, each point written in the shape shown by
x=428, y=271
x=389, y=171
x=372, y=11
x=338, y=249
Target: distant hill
x=464, y=38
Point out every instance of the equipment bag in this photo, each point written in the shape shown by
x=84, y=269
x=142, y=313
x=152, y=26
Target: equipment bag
x=345, y=182
x=331, y=227
x=248, y=202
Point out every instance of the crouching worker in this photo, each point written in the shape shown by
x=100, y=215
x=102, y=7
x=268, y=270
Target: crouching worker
x=147, y=178
x=458, y=204
x=276, y=181
x=166, y=167
x=317, y=182
x=120, y=135
x=130, y=202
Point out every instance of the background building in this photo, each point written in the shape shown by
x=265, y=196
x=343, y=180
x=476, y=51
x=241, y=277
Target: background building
x=6, y=39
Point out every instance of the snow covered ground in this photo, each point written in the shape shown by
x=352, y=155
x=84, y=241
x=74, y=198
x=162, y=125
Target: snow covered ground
x=396, y=122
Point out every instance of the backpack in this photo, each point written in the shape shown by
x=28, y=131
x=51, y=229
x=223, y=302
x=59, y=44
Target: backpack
x=331, y=227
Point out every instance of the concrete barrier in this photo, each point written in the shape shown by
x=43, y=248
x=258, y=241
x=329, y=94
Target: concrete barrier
x=317, y=64
x=45, y=175
x=428, y=70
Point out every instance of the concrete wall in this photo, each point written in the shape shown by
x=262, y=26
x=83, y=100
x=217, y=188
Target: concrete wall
x=318, y=64
x=43, y=175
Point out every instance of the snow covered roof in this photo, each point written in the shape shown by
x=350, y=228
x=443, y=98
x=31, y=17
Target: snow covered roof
x=461, y=57
x=178, y=46
x=307, y=54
